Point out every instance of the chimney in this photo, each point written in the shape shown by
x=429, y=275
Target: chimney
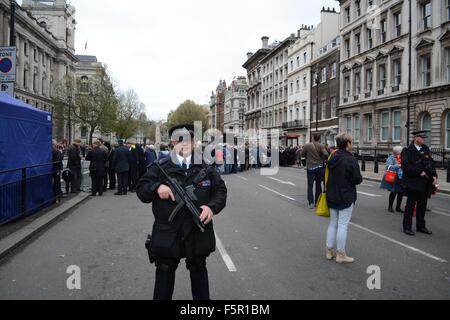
x=249, y=54
x=265, y=42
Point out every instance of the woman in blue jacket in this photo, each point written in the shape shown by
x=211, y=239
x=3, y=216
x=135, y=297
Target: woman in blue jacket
x=394, y=164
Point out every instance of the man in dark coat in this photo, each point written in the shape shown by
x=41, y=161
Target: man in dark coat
x=182, y=238
x=121, y=162
x=97, y=169
x=133, y=176
x=141, y=161
x=74, y=164
x=415, y=183
x=57, y=159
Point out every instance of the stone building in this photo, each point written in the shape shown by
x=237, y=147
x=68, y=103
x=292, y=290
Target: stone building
x=325, y=71
x=254, y=100
x=235, y=106
x=374, y=71
x=216, y=106
x=45, y=38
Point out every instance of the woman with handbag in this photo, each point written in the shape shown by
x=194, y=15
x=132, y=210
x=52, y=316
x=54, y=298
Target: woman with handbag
x=343, y=177
x=392, y=179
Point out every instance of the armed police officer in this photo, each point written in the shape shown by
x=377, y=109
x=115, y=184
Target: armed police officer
x=184, y=236
x=416, y=181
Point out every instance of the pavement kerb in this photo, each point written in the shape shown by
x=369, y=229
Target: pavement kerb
x=443, y=191
x=16, y=239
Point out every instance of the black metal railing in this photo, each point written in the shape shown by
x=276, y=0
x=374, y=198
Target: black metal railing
x=295, y=124
x=24, y=191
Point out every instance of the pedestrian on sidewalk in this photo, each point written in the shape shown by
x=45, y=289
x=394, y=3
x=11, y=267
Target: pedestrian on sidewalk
x=170, y=242
x=315, y=155
x=394, y=168
x=97, y=168
x=344, y=176
x=74, y=165
x=57, y=159
x=121, y=162
x=105, y=149
x=110, y=170
x=416, y=178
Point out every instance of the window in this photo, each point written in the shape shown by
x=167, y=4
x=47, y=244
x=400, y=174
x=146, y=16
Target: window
x=292, y=65
x=369, y=3
x=334, y=67
x=357, y=83
x=324, y=74
x=397, y=126
x=384, y=126
x=323, y=108
x=25, y=79
x=357, y=128
x=397, y=74
x=426, y=70
x=383, y=30
x=314, y=79
x=298, y=62
x=25, y=48
x=426, y=125
x=369, y=79
x=347, y=47
x=333, y=107
x=369, y=127
x=83, y=132
x=447, y=131
x=292, y=88
x=298, y=85
x=347, y=14
x=447, y=58
x=369, y=39
x=304, y=57
x=358, y=7
x=425, y=9
x=349, y=124
x=358, y=43
x=398, y=24
x=382, y=77
x=304, y=82
x=346, y=86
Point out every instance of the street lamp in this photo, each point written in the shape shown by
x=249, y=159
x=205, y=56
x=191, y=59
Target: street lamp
x=69, y=103
x=317, y=99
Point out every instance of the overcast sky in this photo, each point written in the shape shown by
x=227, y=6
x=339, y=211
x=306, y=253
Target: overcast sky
x=172, y=50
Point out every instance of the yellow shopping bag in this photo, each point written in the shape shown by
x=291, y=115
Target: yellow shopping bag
x=322, y=209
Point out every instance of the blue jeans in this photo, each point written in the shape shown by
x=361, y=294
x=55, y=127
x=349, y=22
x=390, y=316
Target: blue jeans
x=337, y=229
x=317, y=176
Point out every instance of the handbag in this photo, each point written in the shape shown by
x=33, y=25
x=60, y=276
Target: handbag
x=390, y=176
x=322, y=209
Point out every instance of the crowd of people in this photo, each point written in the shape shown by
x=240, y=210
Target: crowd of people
x=410, y=172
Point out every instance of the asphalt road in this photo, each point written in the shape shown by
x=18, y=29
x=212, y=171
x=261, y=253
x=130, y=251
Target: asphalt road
x=273, y=248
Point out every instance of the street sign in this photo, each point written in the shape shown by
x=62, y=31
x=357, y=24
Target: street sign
x=7, y=64
x=7, y=87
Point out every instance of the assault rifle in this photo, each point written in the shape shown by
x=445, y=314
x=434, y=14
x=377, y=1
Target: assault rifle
x=184, y=197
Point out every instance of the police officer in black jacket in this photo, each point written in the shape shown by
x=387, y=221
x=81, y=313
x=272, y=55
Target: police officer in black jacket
x=182, y=238
x=415, y=182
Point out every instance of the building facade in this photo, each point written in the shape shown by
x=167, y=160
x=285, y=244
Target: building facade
x=375, y=76
x=325, y=75
x=235, y=106
x=45, y=38
x=297, y=119
x=217, y=105
x=254, y=103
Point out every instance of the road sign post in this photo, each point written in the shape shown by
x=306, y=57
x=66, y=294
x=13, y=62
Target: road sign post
x=7, y=69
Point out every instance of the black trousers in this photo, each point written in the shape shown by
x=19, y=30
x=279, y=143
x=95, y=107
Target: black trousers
x=105, y=181
x=97, y=184
x=392, y=196
x=57, y=184
x=133, y=177
x=165, y=278
x=414, y=198
x=122, y=182
x=75, y=184
x=112, y=178
x=317, y=176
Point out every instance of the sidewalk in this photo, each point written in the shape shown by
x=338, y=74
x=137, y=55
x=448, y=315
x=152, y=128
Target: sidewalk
x=370, y=175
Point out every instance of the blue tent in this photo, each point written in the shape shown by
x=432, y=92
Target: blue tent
x=25, y=141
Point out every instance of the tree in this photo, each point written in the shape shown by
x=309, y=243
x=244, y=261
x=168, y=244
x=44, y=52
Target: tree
x=188, y=112
x=90, y=102
x=129, y=109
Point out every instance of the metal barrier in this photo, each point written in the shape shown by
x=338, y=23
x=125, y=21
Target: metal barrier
x=25, y=191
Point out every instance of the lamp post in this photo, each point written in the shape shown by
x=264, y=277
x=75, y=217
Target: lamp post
x=69, y=103
x=12, y=24
x=317, y=99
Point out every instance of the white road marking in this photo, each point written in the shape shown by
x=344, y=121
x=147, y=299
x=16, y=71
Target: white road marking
x=225, y=256
x=245, y=179
x=281, y=181
x=399, y=243
x=282, y=195
x=440, y=212
x=366, y=185
x=369, y=194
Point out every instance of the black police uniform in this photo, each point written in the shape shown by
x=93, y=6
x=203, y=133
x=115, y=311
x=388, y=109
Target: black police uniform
x=416, y=186
x=182, y=238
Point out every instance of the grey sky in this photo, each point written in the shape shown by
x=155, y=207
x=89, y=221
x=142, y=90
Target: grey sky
x=170, y=51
